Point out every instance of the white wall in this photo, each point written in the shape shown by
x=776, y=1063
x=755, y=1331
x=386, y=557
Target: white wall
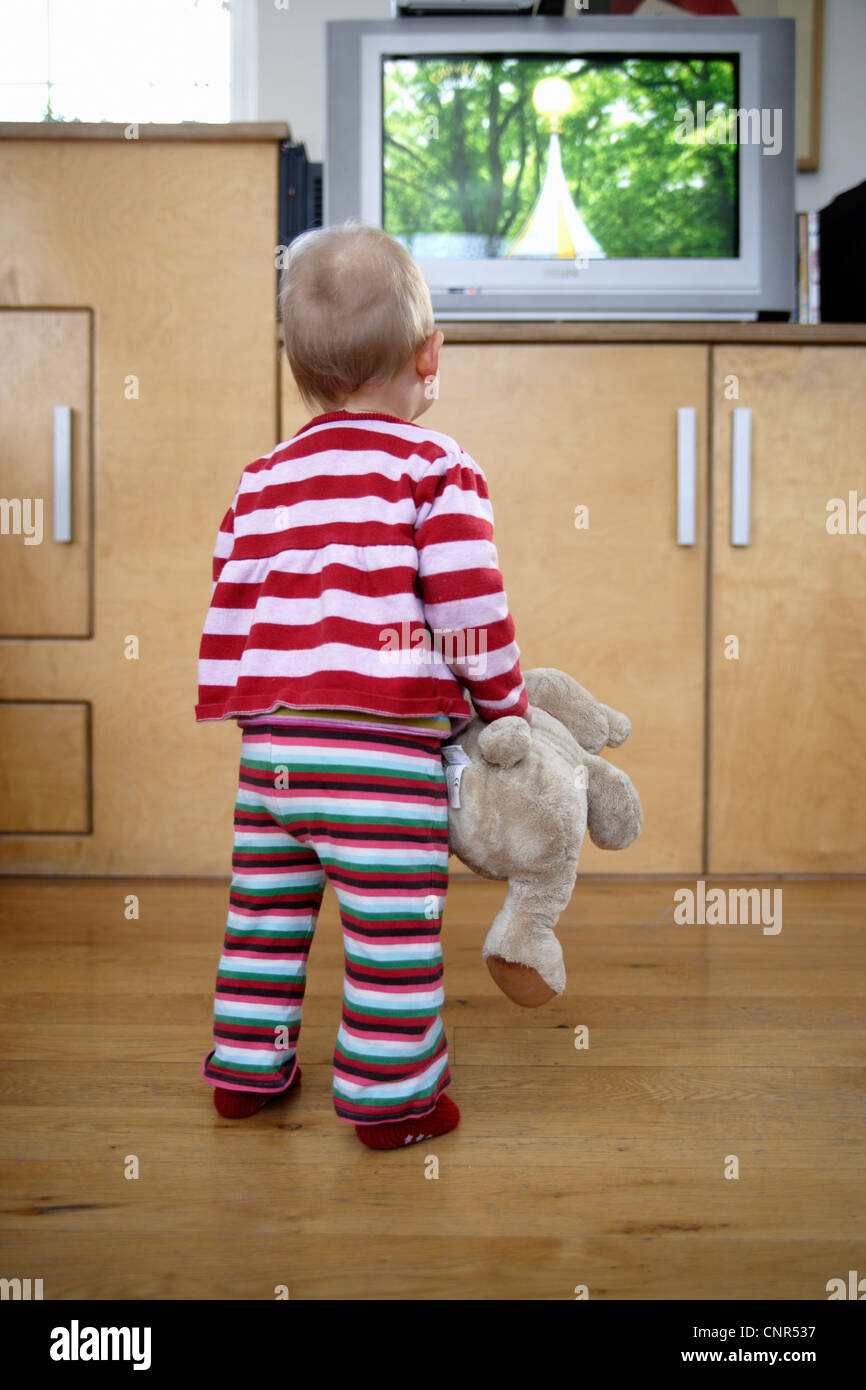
x=280, y=72
x=291, y=66
x=843, y=107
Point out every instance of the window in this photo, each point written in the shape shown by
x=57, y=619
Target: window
x=114, y=60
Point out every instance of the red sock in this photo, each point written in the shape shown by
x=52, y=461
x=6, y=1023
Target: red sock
x=237, y=1105
x=396, y=1136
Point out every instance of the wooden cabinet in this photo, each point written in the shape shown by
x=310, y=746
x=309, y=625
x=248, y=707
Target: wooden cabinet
x=171, y=245
x=157, y=331
x=646, y=623
x=787, y=636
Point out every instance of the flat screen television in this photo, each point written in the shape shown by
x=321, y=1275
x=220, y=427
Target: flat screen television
x=544, y=168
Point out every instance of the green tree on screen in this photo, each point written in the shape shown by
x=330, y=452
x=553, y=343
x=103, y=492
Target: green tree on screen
x=465, y=151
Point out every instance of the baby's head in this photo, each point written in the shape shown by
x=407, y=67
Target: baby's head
x=358, y=322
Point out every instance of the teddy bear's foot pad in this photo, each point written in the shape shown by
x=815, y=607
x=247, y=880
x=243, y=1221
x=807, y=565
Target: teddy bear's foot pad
x=520, y=983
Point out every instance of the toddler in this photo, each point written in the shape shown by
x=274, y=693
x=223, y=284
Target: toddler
x=356, y=593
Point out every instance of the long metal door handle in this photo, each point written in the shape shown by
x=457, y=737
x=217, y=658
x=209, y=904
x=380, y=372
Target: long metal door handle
x=63, y=473
x=686, y=476
x=741, y=476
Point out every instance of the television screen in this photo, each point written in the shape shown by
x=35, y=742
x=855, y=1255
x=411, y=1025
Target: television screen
x=519, y=155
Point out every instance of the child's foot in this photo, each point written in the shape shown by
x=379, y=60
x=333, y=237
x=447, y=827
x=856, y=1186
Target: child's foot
x=395, y=1136
x=237, y=1105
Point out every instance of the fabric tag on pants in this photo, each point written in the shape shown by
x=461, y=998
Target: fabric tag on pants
x=456, y=759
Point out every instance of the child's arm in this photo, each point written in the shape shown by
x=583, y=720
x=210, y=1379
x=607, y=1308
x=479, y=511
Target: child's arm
x=216, y=646
x=223, y=546
x=462, y=588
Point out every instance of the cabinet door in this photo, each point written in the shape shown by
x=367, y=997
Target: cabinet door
x=787, y=650
x=45, y=573
x=616, y=603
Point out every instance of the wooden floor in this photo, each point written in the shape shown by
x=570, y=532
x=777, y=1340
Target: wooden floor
x=602, y=1167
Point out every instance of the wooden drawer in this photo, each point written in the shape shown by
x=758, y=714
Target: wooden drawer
x=45, y=767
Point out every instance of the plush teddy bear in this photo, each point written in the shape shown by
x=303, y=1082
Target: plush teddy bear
x=522, y=796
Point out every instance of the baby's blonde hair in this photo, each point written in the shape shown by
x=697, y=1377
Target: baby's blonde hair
x=355, y=307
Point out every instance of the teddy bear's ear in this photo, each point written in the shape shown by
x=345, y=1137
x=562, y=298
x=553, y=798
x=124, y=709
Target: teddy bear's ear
x=591, y=723
x=505, y=741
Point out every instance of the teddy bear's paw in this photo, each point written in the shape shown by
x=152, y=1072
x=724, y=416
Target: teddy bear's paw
x=587, y=720
x=505, y=742
x=619, y=727
x=615, y=817
x=520, y=983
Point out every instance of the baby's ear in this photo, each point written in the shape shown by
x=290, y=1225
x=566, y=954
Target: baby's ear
x=427, y=359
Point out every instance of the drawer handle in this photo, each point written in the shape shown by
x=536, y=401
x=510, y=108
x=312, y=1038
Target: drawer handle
x=63, y=473
x=686, y=476
x=741, y=476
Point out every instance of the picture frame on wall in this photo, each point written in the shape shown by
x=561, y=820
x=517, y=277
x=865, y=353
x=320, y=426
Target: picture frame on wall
x=809, y=18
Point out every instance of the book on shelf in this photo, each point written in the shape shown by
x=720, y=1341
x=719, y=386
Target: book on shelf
x=814, y=269
x=808, y=243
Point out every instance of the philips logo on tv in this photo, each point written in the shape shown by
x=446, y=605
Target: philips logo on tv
x=725, y=126
x=571, y=267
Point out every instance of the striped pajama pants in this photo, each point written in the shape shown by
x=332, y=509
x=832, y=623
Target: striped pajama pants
x=369, y=812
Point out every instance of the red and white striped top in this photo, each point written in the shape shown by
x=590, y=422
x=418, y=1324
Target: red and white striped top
x=356, y=570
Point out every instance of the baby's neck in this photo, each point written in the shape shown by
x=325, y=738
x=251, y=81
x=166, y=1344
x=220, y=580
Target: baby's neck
x=404, y=405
